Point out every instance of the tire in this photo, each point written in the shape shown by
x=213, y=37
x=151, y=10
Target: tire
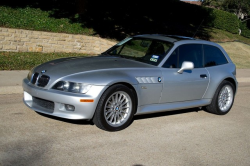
x=115, y=109
x=223, y=99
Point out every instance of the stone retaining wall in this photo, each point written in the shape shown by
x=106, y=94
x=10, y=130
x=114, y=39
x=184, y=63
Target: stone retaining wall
x=18, y=40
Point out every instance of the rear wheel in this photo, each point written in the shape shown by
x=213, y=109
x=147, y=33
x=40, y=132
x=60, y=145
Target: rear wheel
x=223, y=99
x=115, y=109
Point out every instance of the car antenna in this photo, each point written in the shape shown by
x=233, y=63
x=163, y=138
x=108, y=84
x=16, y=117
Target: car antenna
x=198, y=28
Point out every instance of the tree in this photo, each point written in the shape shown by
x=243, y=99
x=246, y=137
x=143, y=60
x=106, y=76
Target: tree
x=241, y=8
x=212, y=3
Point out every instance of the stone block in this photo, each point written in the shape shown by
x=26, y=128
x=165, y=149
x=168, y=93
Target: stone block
x=17, y=39
x=44, y=45
x=55, y=34
x=9, y=38
x=6, y=34
x=36, y=40
x=37, y=33
x=77, y=47
x=22, y=35
x=77, y=37
x=58, y=50
x=70, y=40
x=69, y=47
x=44, y=37
x=33, y=36
x=65, y=36
x=25, y=39
x=9, y=47
x=5, y=42
x=24, y=32
x=56, y=46
x=68, y=50
x=48, y=49
x=79, y=41
x=4, y=29
x=39, y=49
x=59, y=39
x=62, y=42
x=22, y=49
x=30, y=49
x=18, y=43
x=29, y=32
x=52, y=42
x=30, y=44
x=12, y=30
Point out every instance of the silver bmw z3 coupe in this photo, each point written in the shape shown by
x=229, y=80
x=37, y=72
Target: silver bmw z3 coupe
x=140, y=75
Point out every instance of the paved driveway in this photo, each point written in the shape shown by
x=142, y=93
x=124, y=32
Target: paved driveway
x=185, y=137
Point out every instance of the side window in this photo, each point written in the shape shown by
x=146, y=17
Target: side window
x=172, y=60
x=192, y=53
x=213, y=56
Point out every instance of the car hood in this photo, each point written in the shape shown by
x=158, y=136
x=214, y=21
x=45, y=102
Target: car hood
x=67, y=66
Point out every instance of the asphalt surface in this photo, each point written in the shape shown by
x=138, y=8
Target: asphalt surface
x=11, y=81
x=184, y=137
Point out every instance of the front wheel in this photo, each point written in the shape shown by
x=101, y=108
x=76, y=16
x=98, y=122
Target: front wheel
x=223, y=99
x=115, y=109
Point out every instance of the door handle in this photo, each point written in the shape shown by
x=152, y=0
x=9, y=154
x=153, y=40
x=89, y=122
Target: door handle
x=203, y=76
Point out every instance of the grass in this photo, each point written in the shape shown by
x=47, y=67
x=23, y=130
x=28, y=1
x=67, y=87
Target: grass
x=217, y=35
x=239, y=53
x=27, y=60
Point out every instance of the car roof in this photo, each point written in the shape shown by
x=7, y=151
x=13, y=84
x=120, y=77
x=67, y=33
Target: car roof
x=170, y=38
x=177, y=40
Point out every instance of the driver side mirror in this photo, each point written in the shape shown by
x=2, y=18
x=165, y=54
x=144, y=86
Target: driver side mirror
x=186, y=66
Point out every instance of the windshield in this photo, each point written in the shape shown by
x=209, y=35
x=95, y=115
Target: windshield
x=145, y=50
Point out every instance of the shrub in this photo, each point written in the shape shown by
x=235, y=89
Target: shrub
x=244, y=30
x=36, y=19
x=225, y=21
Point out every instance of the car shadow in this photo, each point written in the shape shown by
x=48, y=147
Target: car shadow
x=167, y=113
x=77, y=122
x=137, y=117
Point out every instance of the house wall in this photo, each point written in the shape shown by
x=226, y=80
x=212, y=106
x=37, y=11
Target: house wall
x=19, y=40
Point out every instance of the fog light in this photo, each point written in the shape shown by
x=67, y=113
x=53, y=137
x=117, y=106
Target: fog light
x=69, y=107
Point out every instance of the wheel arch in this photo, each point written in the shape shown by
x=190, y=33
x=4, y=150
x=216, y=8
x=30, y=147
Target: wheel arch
x=229, y=79
x=130, y=86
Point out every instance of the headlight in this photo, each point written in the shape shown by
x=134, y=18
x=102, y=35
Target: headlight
x=30, y=75
x=72, y=87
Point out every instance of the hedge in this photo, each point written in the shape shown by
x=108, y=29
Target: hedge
x=244, y=30
x=37, y=19
x=225, y=21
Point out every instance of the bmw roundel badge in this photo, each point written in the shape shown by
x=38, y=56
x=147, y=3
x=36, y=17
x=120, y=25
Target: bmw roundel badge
x=159, y=79
x=43, y=71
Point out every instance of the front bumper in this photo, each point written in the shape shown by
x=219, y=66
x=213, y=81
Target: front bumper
x=53, y=102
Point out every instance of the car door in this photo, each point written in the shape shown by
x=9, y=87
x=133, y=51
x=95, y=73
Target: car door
x=191, y=84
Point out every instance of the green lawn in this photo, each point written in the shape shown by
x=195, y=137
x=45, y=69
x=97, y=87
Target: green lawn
x=239, y=53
